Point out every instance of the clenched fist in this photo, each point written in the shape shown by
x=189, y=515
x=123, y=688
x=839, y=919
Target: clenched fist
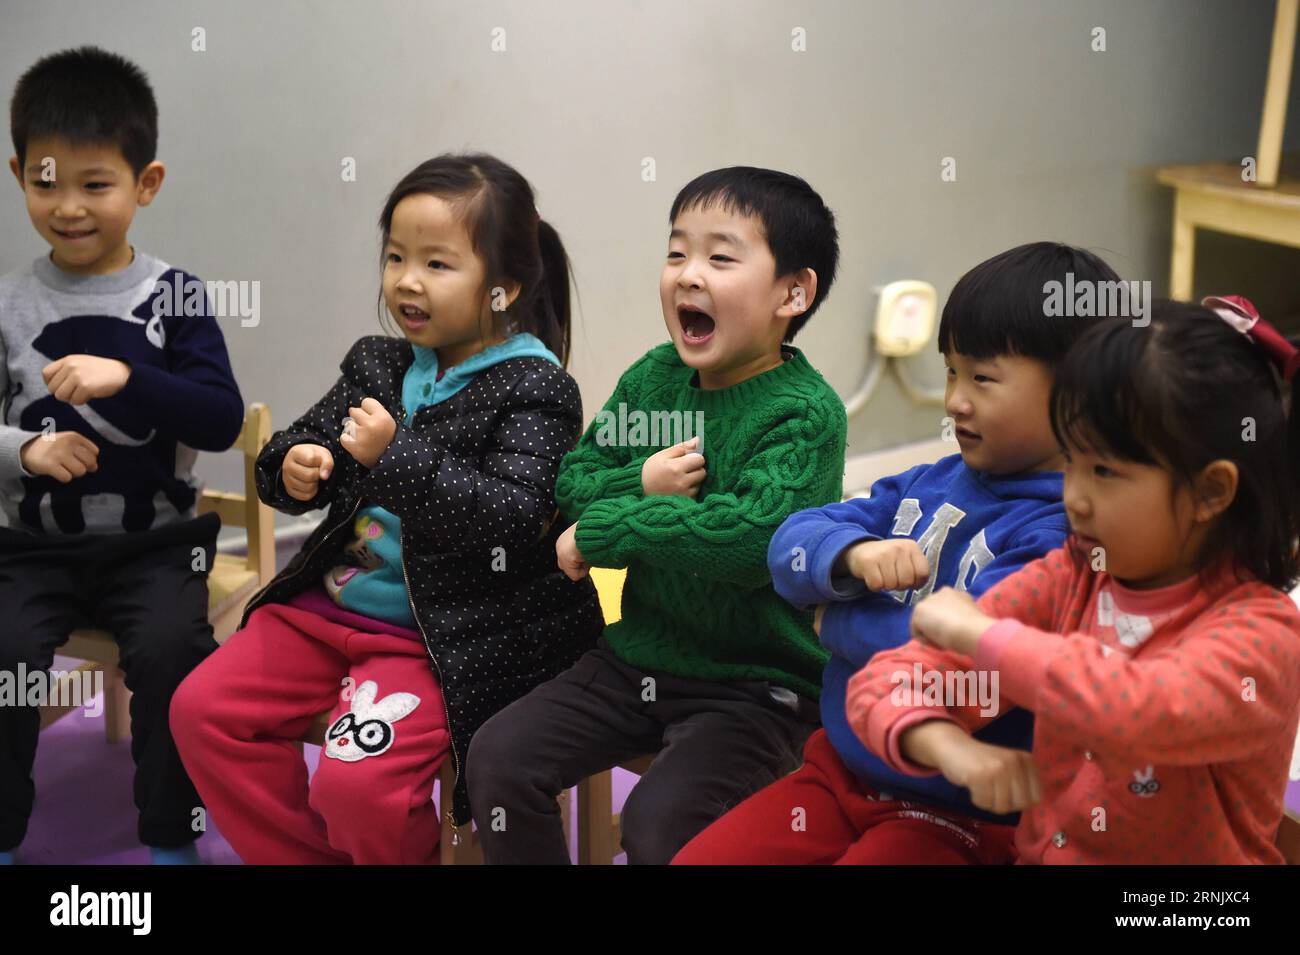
x=674, y=470
x=567, y=555
x=63, y=455
x=896, y=563
x=305, y=466
x=77, y=379
x=951, y=620
x=370, y=433
x=1000, y=779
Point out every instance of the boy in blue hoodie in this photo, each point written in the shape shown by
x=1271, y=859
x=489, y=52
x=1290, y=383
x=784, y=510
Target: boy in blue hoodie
x=965, y=521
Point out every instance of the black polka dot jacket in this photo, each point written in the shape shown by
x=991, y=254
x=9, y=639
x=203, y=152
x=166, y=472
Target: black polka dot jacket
x=472, y=480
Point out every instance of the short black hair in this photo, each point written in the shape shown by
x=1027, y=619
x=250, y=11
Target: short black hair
x=999, y=307
x=86, y=97
x=1177, y=394
x=799, y=228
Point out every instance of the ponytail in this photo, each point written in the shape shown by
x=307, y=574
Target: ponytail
x=551, y=314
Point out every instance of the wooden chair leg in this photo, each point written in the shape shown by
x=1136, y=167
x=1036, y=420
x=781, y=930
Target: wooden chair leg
x=565, y=803
x=117, y=706
x=1182, y=260
x=595, y=809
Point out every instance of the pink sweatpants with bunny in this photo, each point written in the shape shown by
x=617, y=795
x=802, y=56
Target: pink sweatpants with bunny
x=236, y=719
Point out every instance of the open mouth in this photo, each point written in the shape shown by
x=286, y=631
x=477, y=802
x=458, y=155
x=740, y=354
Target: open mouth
x=1086, y=542
x=342, y=577
x=413, y=316
x=75, y=233
x=697, y=325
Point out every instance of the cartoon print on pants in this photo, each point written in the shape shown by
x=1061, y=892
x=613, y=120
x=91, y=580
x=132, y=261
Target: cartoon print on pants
x=367, y=730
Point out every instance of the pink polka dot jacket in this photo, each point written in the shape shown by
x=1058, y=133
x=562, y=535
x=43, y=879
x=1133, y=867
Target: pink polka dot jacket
x=1164, y=719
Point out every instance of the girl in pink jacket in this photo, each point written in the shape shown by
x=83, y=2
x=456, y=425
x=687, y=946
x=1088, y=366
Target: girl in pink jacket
x=1158, y=649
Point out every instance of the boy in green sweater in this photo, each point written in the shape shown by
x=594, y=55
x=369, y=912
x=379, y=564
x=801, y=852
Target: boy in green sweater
x=708, y=443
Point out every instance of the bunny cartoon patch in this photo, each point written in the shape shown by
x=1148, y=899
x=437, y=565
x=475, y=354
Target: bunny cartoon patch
x=1144, y=782
x=367, y=729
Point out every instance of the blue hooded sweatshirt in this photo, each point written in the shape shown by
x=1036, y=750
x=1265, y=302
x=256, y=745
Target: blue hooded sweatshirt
x=974, y=528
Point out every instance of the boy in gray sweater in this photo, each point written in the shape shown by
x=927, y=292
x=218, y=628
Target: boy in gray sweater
x=113, y=374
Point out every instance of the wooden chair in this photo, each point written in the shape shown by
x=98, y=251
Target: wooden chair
x=1288, y=837
x=232, y=580
x=599, y=827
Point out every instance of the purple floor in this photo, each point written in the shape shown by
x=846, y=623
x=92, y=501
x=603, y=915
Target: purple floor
x=84, y=813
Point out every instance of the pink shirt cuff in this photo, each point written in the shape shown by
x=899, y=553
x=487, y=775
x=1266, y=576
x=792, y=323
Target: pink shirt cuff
x=1020, y=654
x=891, y=749
x=988, y=649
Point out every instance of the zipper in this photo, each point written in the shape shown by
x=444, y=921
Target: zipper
x=252, y=601
x=448, y=798
x=449, y=811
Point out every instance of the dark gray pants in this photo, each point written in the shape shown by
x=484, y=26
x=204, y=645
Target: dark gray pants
x=717, y=743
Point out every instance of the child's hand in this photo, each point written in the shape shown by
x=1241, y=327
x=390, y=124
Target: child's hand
x=77, y=379
x=63, y=455
x=817, y=619
x=371, y=433
x=1000, y=779
x=893, y=564
x=949, y=619
x=674, y=470
x=305, y=466
x=567, y=555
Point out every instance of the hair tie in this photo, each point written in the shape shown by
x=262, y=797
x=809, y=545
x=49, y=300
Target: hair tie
x=1242, y=315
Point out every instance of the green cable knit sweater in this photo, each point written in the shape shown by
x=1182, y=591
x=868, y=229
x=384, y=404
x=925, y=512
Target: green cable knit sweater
x=698, y=601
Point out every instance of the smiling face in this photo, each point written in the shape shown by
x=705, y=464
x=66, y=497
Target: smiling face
x=999, y=408
x=1149, y=533
x=435, y=284
x=725, y=308
x=85, y=210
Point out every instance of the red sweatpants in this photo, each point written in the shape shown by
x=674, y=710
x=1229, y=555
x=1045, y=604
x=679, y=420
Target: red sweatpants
x=236, y=719
x=822, y=814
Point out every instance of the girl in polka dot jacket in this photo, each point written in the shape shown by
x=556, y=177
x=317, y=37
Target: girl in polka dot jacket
x=429, y=597
x=1157, y=650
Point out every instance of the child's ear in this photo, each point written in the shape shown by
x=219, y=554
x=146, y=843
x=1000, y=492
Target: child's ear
x=17, y=171
x=1216, y=488
x=501, y=297
x=800, y=290
x=149, y=182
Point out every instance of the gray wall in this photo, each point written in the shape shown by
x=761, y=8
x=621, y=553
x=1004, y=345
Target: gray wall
x=1051, y=140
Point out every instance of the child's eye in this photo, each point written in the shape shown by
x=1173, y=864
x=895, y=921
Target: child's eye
x=41, y=184
x=982, y=378
x=1102, y=471
x=675, y=255
x=723, y=258
x=436, y=264
x=97, y=185
x=393, y=257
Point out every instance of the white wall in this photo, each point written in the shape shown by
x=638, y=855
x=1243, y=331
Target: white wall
x=1052, y=140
